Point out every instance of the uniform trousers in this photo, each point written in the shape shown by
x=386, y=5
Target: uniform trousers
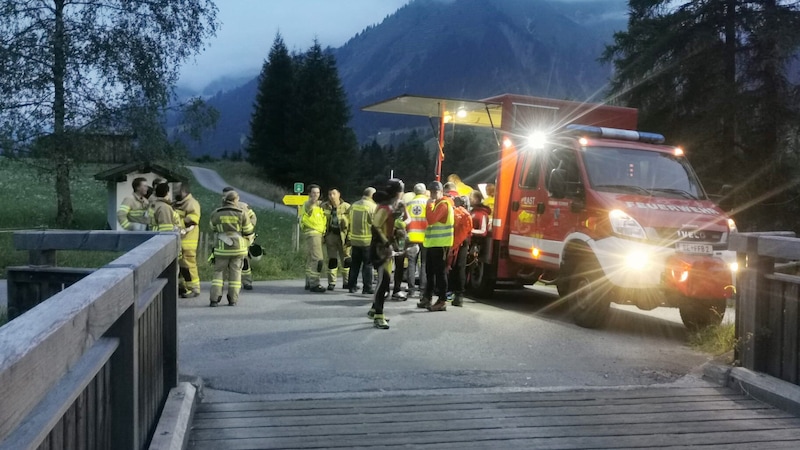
x=436, y=271
x=313, y=246
x=188, y=264
x=360, y=261
x=230, y=266
x=338, y=251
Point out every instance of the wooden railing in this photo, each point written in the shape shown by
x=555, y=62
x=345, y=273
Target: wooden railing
x=90, y=367
x=768, y=304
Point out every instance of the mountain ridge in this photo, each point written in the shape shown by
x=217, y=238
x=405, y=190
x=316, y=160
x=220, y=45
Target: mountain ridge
x=462, y=48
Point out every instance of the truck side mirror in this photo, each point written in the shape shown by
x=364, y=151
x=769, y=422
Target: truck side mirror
x=558, y=183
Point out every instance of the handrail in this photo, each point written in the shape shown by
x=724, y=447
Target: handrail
x=768, y=304
x=60, y=339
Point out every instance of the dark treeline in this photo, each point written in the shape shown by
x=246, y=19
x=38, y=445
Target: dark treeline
x=299, y=133
x=720, y=77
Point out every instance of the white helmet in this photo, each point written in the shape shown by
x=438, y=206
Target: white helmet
x=255, y=252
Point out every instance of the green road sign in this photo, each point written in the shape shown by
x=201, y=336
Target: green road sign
x=298, y=188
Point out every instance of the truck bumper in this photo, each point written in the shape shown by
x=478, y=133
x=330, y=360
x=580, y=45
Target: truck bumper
x=639, y=266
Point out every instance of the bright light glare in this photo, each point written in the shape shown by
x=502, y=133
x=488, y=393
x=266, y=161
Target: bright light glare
x=734, y=267
x=625, y=225
x=462, y=113
x=684, y=276
x=448, y=118
x=583, y=141
x=678, y=151
x=507, y=143
x=535, y=252
x=636, y=260
x=732, y=226
x=537, y=140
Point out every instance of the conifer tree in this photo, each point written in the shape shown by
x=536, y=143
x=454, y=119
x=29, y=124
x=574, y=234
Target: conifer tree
x=268, y=146
x=713, y=75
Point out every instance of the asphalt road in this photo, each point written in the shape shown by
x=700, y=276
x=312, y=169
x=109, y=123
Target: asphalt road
x=281, y=342
x=211, y=180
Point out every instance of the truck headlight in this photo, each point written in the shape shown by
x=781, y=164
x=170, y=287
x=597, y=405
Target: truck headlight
x=637, y=261
x=625, y=225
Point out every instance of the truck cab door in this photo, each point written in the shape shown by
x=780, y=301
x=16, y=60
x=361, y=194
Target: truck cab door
x=527, y=201
x=563, y=199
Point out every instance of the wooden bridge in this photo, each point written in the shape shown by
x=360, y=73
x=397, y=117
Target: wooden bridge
x=92, y=367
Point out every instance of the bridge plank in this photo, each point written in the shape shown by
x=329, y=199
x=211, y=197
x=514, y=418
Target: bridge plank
x=449, y=399
x=600, y=419
x=327, y=416
x=386, y=423
x=760, y=434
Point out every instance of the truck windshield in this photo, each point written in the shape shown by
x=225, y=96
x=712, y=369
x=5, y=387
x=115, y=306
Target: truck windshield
x=641, y=172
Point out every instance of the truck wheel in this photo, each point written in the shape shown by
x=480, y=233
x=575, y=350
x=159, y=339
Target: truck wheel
x=697, y=314
x=562, y=286
x=480, y=275
x=588, y=297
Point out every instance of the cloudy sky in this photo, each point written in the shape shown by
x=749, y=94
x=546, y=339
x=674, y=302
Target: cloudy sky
x=249, y=26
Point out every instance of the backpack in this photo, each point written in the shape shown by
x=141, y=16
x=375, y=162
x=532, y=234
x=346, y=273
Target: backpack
x=462, y=226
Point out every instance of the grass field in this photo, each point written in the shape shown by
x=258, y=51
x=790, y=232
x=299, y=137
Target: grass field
x=28, y=202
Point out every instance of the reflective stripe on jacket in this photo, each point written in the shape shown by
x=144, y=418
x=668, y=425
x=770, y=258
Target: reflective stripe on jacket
x=164, y=217
x=360, y=216
x=440, y=234
x=232, y=226
x=416, y=216
x=132, y=210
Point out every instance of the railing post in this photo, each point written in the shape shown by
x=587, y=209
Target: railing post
x=752, y=328
x=125, y=383
x=169, y=297
x=42, y=258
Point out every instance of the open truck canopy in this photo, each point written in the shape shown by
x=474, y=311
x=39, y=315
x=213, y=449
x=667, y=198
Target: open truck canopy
x=516, y=113
x=467, y=112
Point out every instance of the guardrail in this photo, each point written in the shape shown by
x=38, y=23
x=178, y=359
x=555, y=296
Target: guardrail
x=768, y=304
x=91, y=367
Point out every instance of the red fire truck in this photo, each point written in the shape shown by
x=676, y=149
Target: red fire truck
x=588, y=204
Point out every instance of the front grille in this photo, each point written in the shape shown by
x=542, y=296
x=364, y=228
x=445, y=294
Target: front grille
x=672, y=235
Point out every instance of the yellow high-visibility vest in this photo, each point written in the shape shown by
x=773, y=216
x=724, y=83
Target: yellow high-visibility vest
x=440, y=234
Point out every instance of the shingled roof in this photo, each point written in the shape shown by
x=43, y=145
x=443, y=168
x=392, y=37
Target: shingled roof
x=118, y=174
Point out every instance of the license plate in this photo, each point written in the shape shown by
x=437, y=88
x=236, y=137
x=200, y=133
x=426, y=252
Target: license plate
x=685, y=247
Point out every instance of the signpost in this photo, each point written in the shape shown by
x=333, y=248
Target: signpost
x=296, y=200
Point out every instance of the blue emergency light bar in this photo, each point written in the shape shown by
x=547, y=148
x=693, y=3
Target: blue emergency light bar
x=617, y=133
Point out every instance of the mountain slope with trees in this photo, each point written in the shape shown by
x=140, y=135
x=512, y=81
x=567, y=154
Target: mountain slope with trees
x=462, y=48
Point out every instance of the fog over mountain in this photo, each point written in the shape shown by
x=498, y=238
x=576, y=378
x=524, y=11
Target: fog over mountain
x=455, y=48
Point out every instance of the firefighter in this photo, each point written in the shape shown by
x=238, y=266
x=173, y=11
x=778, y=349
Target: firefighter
x=312, y=224
x=247, y=267
x=359, y=236
x=384, y=246
x=415, y=230
x=437, y=242
x=457, y=259
x=232, y=228
x=336, y=243
x=164, y=217
x=133, y=212
x=188, y=210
